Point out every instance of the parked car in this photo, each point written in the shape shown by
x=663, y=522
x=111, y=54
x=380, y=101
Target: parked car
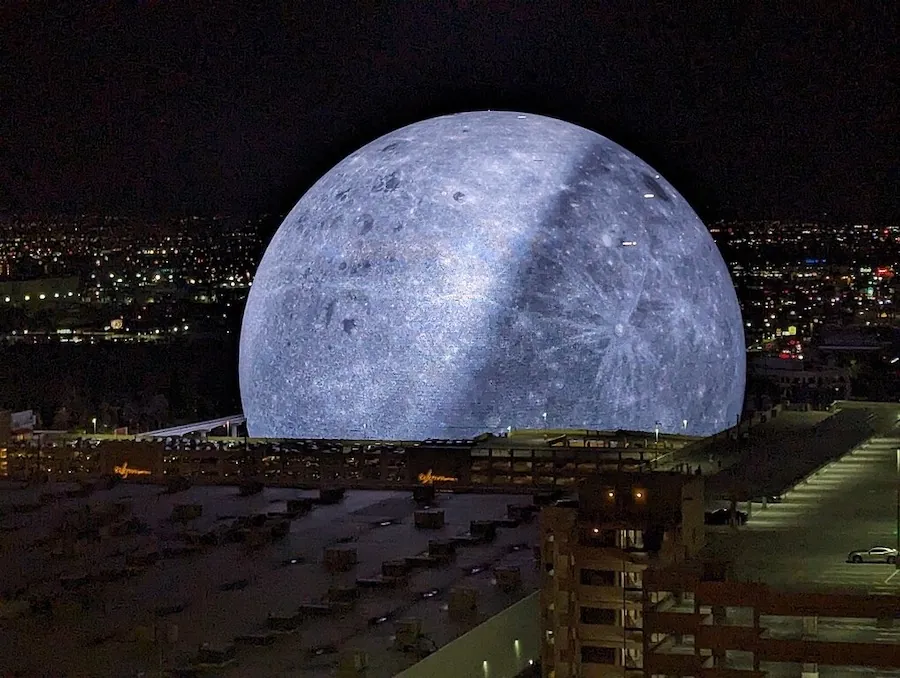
x=876, y=554
x=723, y=516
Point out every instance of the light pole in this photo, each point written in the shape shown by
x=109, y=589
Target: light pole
x=656, y=431
x=94, y=422
x=684, y=424
x=544, y=415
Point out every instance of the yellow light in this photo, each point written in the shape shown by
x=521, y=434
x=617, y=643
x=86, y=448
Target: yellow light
x=125, y=471
x=429, y=478
x=610, y=494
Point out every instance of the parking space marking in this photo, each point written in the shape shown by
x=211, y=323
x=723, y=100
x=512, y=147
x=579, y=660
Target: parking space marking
x=893, y=574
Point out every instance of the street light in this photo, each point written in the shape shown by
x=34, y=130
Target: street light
x=544, y=415
x=656, y=430
x=684, y=424
x=94, y=422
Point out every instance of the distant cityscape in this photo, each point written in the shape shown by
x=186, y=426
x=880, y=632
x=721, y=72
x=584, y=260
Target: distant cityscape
x=90, y=279
x=818, y=302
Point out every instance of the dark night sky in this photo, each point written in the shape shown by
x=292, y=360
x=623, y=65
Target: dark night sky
x=169, y=107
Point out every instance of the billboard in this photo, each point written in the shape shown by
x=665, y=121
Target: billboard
x=22, y=422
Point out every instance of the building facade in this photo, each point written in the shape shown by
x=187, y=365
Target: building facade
x=595, y=557
x=628, y=591
x=517, y=462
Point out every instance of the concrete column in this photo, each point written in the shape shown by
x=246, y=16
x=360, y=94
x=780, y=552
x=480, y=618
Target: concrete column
x=809, y=627
x=696, y=611
x=719, y=615
x=756, y=626
x=810, y=670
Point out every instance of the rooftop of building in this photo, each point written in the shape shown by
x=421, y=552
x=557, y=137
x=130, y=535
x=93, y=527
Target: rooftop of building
x=802, y=541
x=215, y=593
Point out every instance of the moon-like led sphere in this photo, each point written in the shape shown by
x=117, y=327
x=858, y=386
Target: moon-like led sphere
x=484, y=270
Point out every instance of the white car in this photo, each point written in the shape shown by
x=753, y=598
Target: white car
x=876, y=554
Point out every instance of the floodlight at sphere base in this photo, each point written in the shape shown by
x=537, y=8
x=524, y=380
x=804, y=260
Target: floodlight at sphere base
x=486, y=270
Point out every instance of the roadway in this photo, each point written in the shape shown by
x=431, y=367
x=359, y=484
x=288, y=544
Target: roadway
x=196, y=427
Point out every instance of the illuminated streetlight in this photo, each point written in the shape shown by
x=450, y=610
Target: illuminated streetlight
x=94, y=422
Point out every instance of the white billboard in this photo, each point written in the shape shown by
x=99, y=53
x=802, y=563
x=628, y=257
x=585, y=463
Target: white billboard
x=22, y=422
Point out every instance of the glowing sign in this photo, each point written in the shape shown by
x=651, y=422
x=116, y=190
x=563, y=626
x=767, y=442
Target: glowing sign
x=429, y=478
x=124, y=471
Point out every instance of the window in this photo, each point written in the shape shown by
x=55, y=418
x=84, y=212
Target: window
x=598, y=577
x=632, y=539
x=595, y=536
x=598, y=655
x=597, y=615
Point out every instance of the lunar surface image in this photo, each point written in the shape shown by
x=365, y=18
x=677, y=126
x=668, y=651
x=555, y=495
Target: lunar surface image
x=486, y=270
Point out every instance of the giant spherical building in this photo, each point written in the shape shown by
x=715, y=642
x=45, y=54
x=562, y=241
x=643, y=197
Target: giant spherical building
x=484, y=270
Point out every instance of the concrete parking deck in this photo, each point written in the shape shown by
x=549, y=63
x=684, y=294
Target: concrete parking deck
x=802, y=543
x=773, y=463
x=723, y=452
x=92, y=629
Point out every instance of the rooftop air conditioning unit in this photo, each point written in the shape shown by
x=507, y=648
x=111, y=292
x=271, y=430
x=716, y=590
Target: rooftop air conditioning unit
x=352, y=663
